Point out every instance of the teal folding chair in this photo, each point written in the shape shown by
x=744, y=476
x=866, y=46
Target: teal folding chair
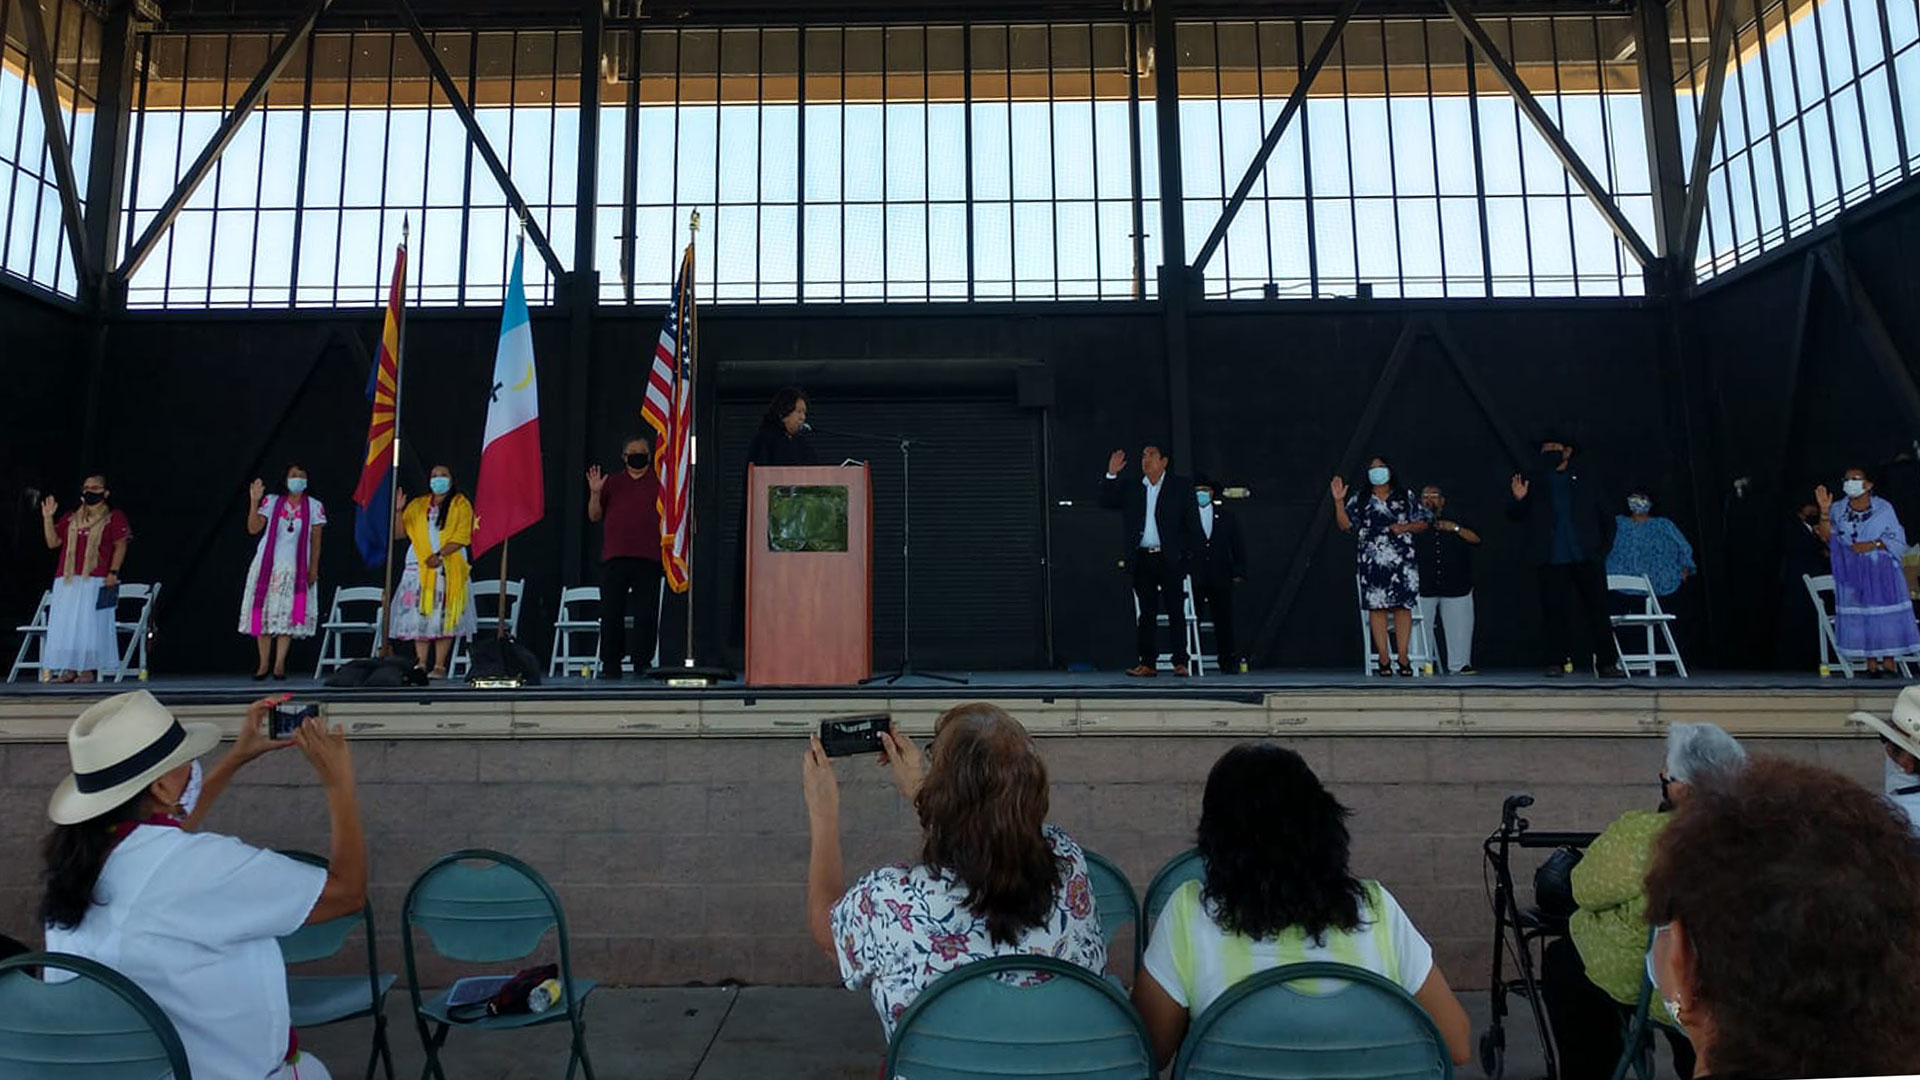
x=95, y=1026
x=1272, y=1027
x=321, y=1000
x=1182, y=868
x=491, y=913
x=1117, y=903
x=972, y=1024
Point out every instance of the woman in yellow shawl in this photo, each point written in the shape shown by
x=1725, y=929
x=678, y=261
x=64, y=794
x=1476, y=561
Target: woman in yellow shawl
x=434, y=604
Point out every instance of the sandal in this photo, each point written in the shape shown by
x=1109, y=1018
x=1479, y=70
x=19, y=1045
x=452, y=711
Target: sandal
x=1405, y=670
x=437, y=673
x=65, y=677
x=1383, y=670
x=86, y=677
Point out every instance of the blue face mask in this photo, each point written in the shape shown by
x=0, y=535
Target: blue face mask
x=440, y=485
x=1205, y=497
x=1639, y=506
x=296, y=485
x=1379, y=474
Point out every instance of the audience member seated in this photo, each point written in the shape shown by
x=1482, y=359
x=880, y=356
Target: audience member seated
x=1786, y=913
x=993, y=879
x=1900, y=738
x=1592, y=978
x=191, y=917
x=1277, y=891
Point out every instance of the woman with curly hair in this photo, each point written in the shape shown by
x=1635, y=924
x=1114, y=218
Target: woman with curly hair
x=993, y=878
x=1786, y=912
x=1277, y=891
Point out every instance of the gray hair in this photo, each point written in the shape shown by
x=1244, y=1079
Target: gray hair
x=1696, y=751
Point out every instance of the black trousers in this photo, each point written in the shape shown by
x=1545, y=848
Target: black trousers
x=1156, y=585
x=1563, y=587
x=1214, y=599
x=1589, y=1027
x=641, y=578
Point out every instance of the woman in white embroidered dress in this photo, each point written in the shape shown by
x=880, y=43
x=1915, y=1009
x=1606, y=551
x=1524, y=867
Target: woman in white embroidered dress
x=282, y=597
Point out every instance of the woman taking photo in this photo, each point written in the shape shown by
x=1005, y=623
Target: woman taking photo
x=1277, y=891
x=92, y=542
x=1383, y=521
x=435, y=602
x=282, y=598
x=192, y=918
x=993, y=879
x=1872, y=612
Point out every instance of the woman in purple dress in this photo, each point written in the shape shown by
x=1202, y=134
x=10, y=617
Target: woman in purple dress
x=1872, y=614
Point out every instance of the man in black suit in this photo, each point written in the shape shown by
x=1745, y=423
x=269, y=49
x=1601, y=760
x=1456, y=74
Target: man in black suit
x=1162, y=533
x=1219, y=565
x=1569, y=533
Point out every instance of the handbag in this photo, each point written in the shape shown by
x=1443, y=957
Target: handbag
x=1553, y=883
x=109, y=598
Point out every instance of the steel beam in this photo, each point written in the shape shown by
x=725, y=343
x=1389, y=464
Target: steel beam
x=1706, y=135
x=256, y=92
x=1661, y=115
x=1295, y=101
x=1865, y=319
x=1462, y=364
x=581, y=291
x=480, y=141
x=1177, y=284
x=1569, y=157
x=45, y=81
x=112, y=130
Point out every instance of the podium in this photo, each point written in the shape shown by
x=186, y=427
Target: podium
x=809, y=544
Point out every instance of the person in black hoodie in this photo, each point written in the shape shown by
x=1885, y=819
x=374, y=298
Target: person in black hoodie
x=1569, y=533
x=1162, y=522
x=1219, y=564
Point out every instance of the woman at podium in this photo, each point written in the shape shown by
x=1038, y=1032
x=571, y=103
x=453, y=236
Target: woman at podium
x=782, y=438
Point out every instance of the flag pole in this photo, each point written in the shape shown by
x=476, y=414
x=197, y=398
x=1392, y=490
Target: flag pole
x=393, y=466
x=689, y=321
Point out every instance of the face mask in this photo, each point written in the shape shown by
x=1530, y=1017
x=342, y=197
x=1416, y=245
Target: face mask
x=93, y=498
x=1854, y=488
x=190, y=798
x=1205, y=497
x=1379, y=474
x=1431, y=504
x=1551, y=458
x=296, y=485
x=1811, y=519
x=440, y=485
x=1639, y=506
x=636, y=461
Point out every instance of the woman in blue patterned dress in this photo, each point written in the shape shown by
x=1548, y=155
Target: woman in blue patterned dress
x=1872, y=611
x=1383, y=520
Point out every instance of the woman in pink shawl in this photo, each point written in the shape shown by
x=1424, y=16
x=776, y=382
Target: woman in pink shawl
x=282, y=598
x=1872, y=613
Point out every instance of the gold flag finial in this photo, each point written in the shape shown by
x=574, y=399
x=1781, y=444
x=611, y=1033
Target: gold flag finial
x=694, y=224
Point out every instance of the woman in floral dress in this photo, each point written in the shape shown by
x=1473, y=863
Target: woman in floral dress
x=1383, y=520
x=282, y=598
x=993, y=879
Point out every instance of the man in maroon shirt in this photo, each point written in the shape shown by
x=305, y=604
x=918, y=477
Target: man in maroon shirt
x=628, y=503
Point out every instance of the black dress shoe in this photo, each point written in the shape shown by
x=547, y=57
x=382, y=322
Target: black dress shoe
x=259, y=676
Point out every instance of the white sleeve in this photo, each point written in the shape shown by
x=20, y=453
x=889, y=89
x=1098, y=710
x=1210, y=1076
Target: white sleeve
x=1415, y=955
x=319, y=513
x=1159, y=961
x=240, y=893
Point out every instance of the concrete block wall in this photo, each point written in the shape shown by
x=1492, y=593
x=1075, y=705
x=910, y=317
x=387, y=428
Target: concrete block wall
x=684, y=860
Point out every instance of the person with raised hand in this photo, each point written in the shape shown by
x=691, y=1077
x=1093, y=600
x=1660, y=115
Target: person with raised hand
x=1872, y=612
x=92, y=542
x=1384, y=520
x=193, y=918
x=282, y=598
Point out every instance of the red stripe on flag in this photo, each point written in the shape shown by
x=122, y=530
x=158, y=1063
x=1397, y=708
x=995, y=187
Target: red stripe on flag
x=509, y=466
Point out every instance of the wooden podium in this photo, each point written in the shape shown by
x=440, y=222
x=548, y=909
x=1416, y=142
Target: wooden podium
x=809, y=546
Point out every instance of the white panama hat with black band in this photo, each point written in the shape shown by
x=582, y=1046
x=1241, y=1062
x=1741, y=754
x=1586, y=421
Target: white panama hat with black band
x=118, y=747
x=1903, y=730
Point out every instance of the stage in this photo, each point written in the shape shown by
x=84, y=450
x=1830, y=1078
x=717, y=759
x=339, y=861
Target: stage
x=1050, y=703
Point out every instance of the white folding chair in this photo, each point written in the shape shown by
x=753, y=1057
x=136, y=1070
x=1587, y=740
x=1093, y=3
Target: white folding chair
x=1196, y=660
x=1820, y=592
x=33, y=639
x=133, y=631
x=1420, y=651
x=507, y=609
x=1651, y=621
x=569, y=657
x=338, y=627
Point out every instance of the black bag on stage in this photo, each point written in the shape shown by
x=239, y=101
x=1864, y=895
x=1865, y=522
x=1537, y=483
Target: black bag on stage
x=390, y=672
x=496, y=657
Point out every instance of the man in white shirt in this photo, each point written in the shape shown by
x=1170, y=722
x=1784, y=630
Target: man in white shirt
x=1162, y=532
x=1219, y=564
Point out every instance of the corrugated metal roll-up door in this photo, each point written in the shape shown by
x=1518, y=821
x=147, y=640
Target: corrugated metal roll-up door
x=978, y=579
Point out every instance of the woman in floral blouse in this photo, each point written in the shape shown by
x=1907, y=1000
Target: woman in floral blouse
x=1383, y=520
x=993, y=879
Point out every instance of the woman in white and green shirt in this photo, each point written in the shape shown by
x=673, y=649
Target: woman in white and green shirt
x=1277, y=891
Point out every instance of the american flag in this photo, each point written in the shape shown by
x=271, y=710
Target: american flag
x=669, y=411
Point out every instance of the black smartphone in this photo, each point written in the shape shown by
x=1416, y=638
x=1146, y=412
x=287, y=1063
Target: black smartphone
x=287, y=717
x=845, y=736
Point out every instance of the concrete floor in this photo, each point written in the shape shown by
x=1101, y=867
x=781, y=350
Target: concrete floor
x=721, y=1033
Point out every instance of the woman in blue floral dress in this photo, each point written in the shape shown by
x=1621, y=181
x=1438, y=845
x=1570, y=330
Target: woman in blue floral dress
x=1383, y=520
x=992, y=879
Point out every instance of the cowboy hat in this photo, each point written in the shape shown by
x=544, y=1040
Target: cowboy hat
x=119, y=746
x=1904, y=730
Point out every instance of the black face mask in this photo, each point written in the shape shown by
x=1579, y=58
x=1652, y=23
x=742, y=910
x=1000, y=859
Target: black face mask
x=1811, y=519
x=93, y=498
x=637, y=461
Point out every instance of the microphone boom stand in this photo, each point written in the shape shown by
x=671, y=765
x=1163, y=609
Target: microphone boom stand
x=906, y=667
